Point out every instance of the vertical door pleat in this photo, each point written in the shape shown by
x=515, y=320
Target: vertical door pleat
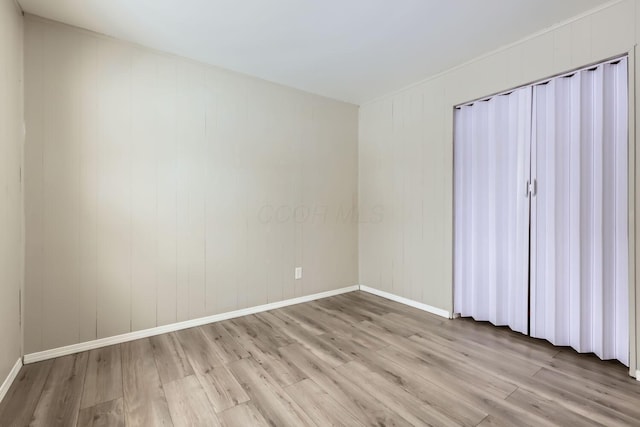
x=621, y=326
x=598, y=176
x=616, y=104
x=521, y=255
x=585, y=321
x=493, y=240
x=575, y=249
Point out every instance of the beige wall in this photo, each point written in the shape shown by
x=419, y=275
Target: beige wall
x=406, y=150
x=11, y=139
x=159, y=189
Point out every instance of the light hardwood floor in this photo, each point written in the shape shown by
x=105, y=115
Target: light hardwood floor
x=352, y=360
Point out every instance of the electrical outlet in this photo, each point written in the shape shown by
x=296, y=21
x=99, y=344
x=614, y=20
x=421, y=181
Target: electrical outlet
x=298, y=273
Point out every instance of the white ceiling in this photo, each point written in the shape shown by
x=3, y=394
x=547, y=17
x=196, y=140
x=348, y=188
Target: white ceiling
x=352, y=50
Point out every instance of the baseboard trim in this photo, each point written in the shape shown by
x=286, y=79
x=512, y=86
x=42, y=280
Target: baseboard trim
x=638, y=375
x=13, y=374
x=406, y=301
x=131, y=336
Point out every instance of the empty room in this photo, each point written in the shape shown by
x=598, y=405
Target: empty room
x=314, y=213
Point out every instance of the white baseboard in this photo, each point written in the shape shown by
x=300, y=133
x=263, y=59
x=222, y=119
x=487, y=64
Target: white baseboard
x=406, y=301
x=638, y=375
x=131, y=336
x=4, y=388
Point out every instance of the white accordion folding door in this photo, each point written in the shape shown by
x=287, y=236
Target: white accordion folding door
x=579, y=234
x=541, y=210
x=492, y=149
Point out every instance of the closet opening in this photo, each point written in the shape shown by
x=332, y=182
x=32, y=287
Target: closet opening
x=541, y=210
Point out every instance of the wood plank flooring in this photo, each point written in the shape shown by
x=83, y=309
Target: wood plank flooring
x=353, y=360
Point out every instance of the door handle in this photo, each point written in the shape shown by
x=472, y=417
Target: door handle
x=532, y=188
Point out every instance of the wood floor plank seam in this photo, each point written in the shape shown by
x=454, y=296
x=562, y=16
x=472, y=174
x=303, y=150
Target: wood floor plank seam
x=509, y=395
x=40, y=393
x=109, y=413
x=124, y=401
x=482, y=420
x=155, y=363
x=31, y=413
x=595, y=409
x=84, y=380
x=59, y=405
x=324, y=407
